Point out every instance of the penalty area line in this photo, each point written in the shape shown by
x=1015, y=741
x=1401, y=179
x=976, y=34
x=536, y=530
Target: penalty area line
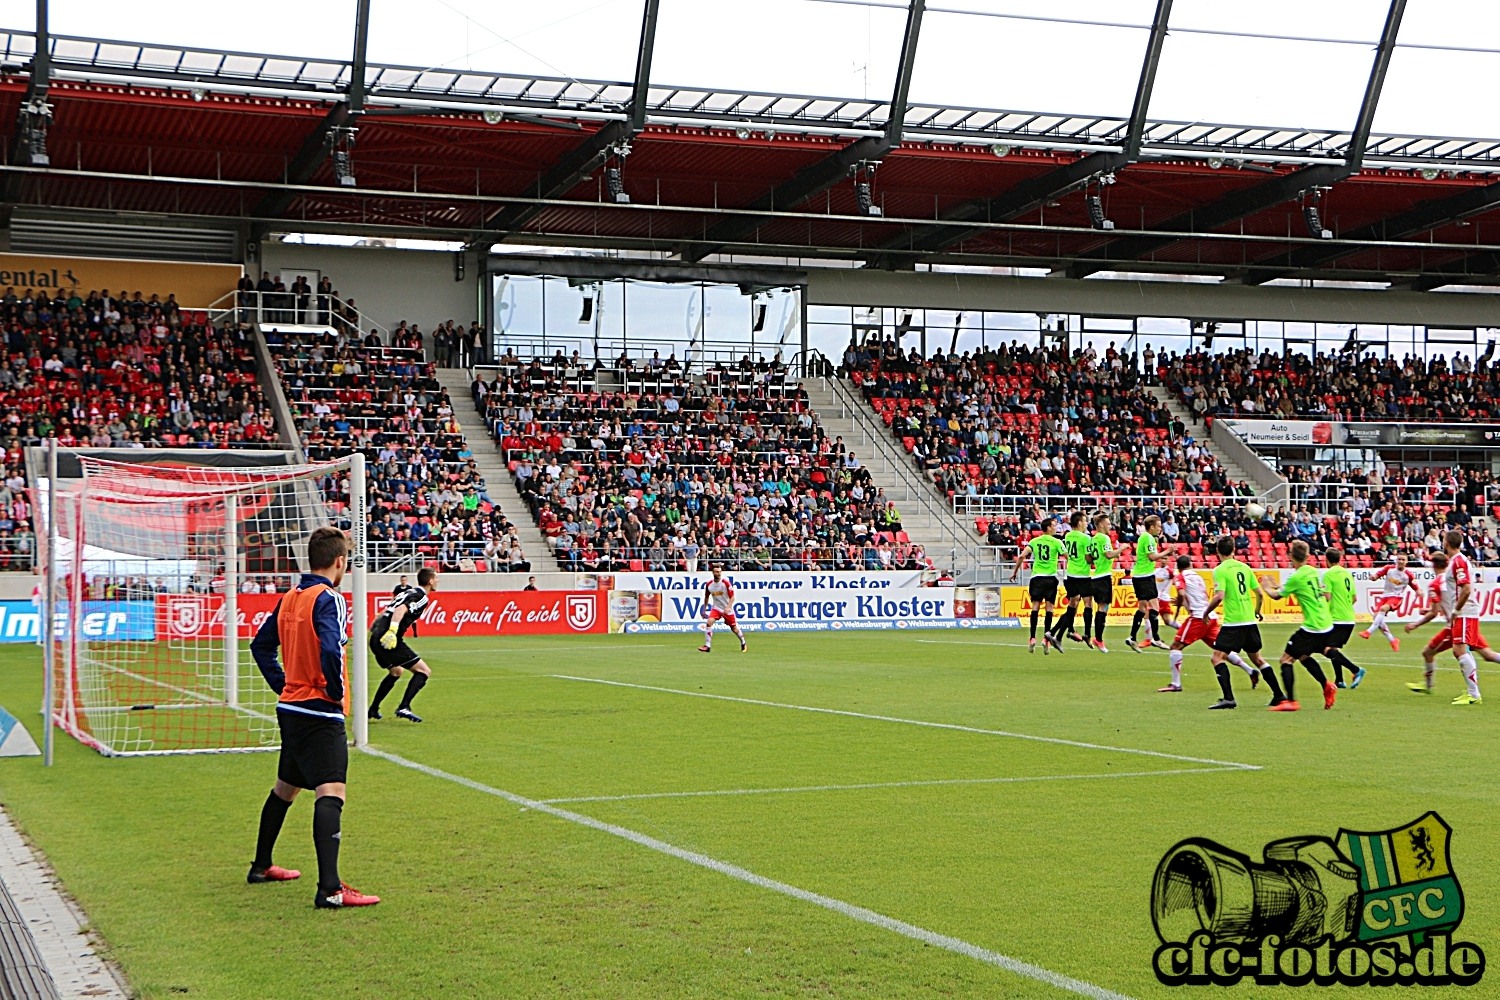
x=890, y=784
x=850, y=910
x=918, y=722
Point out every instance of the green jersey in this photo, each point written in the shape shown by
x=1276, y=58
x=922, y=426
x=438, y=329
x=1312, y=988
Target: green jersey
x=1307, y=587
x=1145, y=548
x=1338, y=583
x=1045, y=551
x=1101, y=565
x=1076, y=542
x=1237, y=583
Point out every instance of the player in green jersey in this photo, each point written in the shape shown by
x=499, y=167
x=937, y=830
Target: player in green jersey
x=1079, y=586
x=1148, y=554
x=1102, y=553
x=1239, y=592
x=1305, y=586
x=1042, y=554
x=1338, y=584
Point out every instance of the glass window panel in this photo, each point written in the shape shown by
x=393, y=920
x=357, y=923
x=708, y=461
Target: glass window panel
x=322, y=30
x=582, y=39
x=1407, y=105
x=518, y=306
x=726, y=315
x=967, y=60
x=665, y=313
x=780, y=46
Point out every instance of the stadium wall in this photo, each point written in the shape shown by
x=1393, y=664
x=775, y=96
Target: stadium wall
x=386, y=284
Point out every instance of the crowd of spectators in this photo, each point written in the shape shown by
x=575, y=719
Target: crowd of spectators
x=1018, y=420
x=426, y=497
x=641, y=467
x=1344, y=385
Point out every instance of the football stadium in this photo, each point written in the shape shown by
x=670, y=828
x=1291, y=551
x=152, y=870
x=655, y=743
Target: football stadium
x=813, y=498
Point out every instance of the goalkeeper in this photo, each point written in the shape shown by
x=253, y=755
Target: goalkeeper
x=389, y=646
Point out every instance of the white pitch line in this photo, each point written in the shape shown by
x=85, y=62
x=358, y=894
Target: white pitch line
x=859, y=913
x=918, y=722
x=888, y=784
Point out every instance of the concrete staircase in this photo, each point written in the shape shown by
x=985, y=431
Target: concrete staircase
x=926, y=516
x=491, y=464
x=1232, y=469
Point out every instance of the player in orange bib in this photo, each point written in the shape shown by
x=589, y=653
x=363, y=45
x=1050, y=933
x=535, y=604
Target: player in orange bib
x=1199, y=626
x=718, y=605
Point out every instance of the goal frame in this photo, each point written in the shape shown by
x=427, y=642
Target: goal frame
x=57, y=697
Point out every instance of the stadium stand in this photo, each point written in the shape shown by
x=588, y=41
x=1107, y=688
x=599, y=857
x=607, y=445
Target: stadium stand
x=1018, y=421
x=1341, y=386
x=428, y=503
x=641, y=467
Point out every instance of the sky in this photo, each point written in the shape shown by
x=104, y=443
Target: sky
x=1002, y=54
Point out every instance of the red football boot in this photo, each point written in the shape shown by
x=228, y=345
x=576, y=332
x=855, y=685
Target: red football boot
x=272, y=874
x=344, y=897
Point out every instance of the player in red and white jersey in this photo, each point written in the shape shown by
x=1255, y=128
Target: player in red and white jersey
x=1439, y=604
x=1459, y=583
x=718, y=605
x=1165, y=578
x=1198, y=626
x=1397, y=581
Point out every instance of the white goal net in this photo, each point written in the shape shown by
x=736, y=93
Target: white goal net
x=160, y=576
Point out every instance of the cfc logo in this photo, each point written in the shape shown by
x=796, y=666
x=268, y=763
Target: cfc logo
x=1375, y=909
x=581, y=612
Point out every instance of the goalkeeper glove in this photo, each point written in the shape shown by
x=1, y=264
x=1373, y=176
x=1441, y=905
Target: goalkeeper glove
x=388, y=641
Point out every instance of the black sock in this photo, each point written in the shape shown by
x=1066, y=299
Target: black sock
x=1135, y=624
x=327, y=816
x=1100, y=618
x=1035, y=613
x=1088, y=623
x=1222, y=670
x=1316, y=669
x=272, y=815
x=1064, y=622
x=387, y=684
x=1155, y=625
x=1341, y=662
x=1289, y=680
x=413, y=686
x=1269, y=676
x=1048, y=626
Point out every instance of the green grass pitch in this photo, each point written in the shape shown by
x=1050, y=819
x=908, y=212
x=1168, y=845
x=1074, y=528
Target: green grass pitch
x=933, y=827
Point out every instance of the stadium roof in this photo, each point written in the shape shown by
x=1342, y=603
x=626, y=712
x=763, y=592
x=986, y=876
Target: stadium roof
x=207, y=136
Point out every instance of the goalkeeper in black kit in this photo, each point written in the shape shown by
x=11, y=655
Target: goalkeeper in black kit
x=388, y=645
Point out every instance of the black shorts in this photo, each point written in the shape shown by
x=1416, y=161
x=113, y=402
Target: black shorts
x=1340, y=635
x=1104, y=589
x=314, y=749
x=1078, y=586
x=1145, y=591
x=1044, y=588
x=1303, y=643
x=402, y=656
x=1244, y=638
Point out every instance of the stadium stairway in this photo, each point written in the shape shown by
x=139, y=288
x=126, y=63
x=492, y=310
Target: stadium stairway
x=497, y=477
x=926, y=515
x=1232, y=469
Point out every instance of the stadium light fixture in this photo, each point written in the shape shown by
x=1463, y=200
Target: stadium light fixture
x=493, y=116
x=199, y=94
x=1215, y=162
x=770, y=133
x=742, y=131
x=1000, y=149
x=1429, y=173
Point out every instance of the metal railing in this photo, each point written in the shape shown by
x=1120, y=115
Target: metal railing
x=850, y=556
x=1007, y=504
x=410, y=556
x=958, y=541
x=276, y=309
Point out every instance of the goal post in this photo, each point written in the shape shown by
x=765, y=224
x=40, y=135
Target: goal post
x=159, y=577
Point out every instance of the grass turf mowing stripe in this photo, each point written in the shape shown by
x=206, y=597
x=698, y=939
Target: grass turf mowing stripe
x=916, y=722
x=888, y=784
x=859, y=913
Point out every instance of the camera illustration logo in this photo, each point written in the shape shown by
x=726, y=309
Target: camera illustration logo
x=1374, y=909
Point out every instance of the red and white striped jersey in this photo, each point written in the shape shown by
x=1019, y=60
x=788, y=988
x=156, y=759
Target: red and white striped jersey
x=1458, y=573
x=1396, y=580
x=1164, y=583
x=719, y=595
x=1194, y=593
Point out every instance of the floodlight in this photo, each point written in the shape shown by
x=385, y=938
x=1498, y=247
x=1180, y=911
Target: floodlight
x=742, y=131
x=1215, y=162
x=1000, y=149
x=1429, y=173
x=199, y=94
x=493, y=117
